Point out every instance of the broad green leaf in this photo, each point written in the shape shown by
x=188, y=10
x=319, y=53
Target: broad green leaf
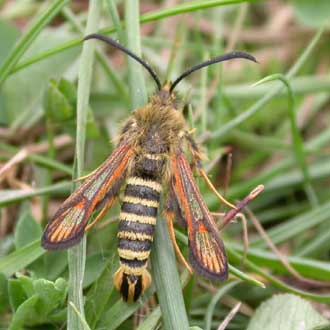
x=8, y=36
x=27, y=229
x=51, y=294
x=95, y=264
x=100, y=292
x=26, y=283
x=32, y=82
x=285, y=312
x=313, y=13
x=56, y=105
x=23, y=312
x=55, y=263
x=17, y=294
x=4, y=298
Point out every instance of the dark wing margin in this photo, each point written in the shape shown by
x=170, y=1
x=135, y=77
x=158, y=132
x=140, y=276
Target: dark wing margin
x=207, y=253
x=66, y=228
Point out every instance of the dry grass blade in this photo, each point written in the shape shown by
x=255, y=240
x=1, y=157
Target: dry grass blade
x=229, y=317
x=281, y=257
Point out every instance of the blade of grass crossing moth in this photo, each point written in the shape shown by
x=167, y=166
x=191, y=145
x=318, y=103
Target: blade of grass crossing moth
x=167, y=281
x=77, y=254
x=166, y=277
x=153, y=319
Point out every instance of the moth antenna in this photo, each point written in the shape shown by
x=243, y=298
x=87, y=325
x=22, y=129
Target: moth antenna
x=211, y=61
x=126, y=51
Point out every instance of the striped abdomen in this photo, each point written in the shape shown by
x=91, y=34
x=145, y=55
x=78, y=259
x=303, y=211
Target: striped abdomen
x=136, y=227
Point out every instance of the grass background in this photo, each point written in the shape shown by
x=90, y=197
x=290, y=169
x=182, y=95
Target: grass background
x=54, y=95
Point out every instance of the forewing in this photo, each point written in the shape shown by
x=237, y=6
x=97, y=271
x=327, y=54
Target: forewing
x=207, y=252
x=67, y=226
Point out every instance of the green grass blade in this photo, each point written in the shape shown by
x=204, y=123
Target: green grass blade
x=77, y=254
x=27, y=39
x=16, y=195
x=136, y=79
x=115, y=19
x=102, y=59
x=210, y=308
x=277, y=283
x=318, y=270
x=264, y=100
x=167, y=281
x=296, y=225
x=121, y=311
x=83, y=322
x=149, y=17
x=298, y=144
x=236, y=272
x=21, y=258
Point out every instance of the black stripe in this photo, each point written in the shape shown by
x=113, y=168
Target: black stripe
x=135, y=263
x=136, y=227
x=138, y=289
x=139, y=209
x=124, y=287
x=142, y=192
x=134, y=245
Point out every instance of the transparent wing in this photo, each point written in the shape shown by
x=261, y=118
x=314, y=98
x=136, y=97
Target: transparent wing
x=207, y=252
x=67, y=226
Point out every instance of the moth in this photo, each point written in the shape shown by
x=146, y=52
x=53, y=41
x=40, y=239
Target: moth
x=152, y=153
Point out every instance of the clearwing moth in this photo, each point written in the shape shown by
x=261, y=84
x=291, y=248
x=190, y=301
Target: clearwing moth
x=150, y=155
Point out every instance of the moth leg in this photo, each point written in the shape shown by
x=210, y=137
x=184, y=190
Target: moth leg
x=197, y=155
x=103, y=211
x=211, y=186
x=169, y=216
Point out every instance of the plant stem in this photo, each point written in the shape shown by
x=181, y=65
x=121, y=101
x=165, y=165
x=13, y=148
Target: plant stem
x=77, y=254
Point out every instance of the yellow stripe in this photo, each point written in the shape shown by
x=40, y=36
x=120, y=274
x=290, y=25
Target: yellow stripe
x=134, y=236
x=133, y=270
x=140, y=201
x=153, y=156
x=142, y=182
x=130, y=255
x=137, y=218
